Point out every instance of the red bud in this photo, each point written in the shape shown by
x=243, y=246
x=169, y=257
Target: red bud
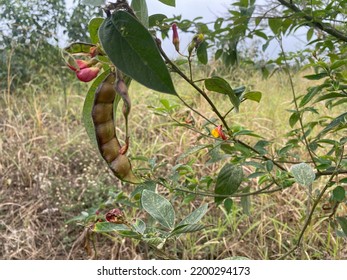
x=80, y=63
x=175, y=39
x=87, y=74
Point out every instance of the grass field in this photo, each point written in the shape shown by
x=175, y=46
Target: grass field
x=50, y=172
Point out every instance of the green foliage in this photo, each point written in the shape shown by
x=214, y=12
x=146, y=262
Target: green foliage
x=159, y=208
x=303, y=174
x=132, y=49
x=315, y=134
x=228, y=181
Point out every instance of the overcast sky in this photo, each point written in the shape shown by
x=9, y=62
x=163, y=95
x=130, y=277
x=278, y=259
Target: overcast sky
x=209, y=10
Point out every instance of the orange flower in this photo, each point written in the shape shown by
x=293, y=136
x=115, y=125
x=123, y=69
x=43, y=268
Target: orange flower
x=218, y=133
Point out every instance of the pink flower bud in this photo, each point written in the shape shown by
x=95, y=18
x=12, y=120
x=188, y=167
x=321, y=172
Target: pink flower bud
x=87, y=74
x=175, y=39
x=80, y=63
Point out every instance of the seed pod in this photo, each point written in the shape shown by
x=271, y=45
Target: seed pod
x=109, y=147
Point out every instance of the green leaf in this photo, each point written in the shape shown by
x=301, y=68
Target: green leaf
x=253, y=95
x=132, y=49
x=169, y=2
x=141, y=11
x=339, y=194
x=195, y=216
x=218, y=84
x=246, y=203
x=140, y=226
x=239, y=90
x=309, y=34
x=303, y=174
x=156, y=19
x=338, y=122
x=228, y=181
x=338, y=64
x=312, y=92
x=269, y=165
x=93, y=27
x=109, y=227
x=218, y=54
x=275, y=25
x=159, y=208
x=186, y=229
x=343, y=223
x=202, y=53
x=88, y=106
x=293, y=119
x=318, y=76
x=228, y=205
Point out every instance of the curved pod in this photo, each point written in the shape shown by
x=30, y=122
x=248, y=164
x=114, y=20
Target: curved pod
x=108, y=144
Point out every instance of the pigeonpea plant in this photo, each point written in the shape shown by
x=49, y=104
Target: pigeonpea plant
x=125, y=46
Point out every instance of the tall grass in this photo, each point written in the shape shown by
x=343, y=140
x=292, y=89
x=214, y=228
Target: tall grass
x=50, y=173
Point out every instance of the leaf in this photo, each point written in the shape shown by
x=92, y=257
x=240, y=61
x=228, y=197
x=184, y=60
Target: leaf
x=93, y=27
x=253, y=95
x=218, y=84
x=156, y=19
x=246, y=204
x=343, y=223
x=186, y=229
x=336, y=123
x=132, y=49
x=195, y=216
x=228, y=205
x=309, y=34
x=88, y=106
x=169, y=2
x=228, y=181
x=141, y=11
x=140, y=226
x=218, y=54
x=269, y=165
x=275, y=25
x=202, y=53
x=109, y=227
x=338, y=63
x=339, y=194
x=293, y=119
x=159, y=208
x=318, y=76
x=312, y=92
x=303, y=174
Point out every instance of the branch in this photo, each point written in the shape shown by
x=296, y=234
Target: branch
x=326, y=27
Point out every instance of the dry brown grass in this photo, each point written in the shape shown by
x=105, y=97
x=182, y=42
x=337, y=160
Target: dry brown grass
x=49, y=173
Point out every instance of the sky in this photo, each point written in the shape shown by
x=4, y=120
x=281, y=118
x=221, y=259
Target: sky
x=209, y=10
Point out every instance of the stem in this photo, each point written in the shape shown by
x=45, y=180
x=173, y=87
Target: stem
x=311, y=21
x=297, y=106
x=173, y=65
